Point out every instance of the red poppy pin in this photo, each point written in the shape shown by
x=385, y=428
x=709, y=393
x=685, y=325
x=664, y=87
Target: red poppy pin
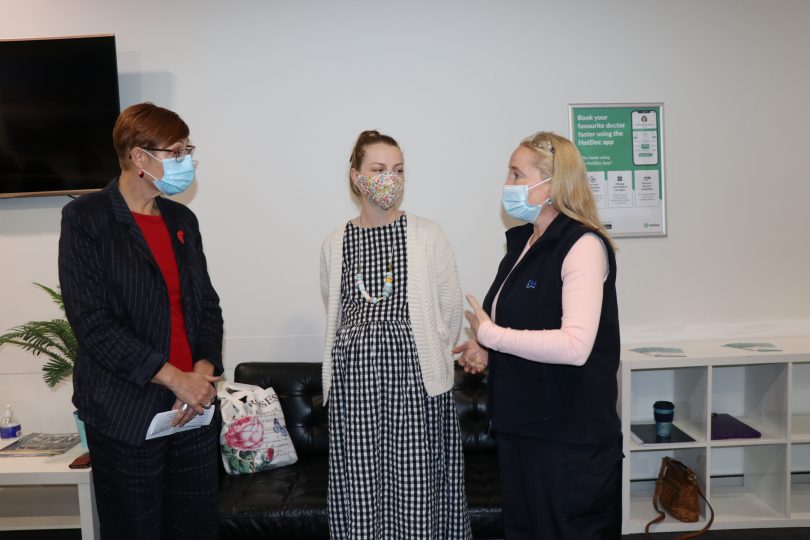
x=181, y=236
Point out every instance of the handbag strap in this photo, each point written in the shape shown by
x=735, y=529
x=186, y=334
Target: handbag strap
x=231, y=396
x=656, y=495
x=662, y=515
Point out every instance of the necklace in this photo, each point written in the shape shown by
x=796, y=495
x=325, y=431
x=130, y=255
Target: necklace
x=388, y=278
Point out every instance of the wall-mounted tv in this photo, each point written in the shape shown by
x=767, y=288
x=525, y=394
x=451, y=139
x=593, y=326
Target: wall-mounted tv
x=58, y=105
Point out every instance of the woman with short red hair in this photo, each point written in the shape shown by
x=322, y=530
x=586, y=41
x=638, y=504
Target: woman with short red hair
x=148, y=328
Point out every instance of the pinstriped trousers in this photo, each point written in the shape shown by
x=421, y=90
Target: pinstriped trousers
x=163, y=490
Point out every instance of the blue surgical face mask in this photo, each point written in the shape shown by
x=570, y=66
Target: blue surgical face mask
x=516, y=202
x=177, y=175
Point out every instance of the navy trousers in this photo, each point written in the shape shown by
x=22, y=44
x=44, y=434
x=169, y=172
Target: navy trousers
x=557, y=491
x=165, y=489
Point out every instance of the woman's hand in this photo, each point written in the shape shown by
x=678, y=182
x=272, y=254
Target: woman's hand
x=184, y=412
x=477, y=316
x=194, y=389
x=474, y=358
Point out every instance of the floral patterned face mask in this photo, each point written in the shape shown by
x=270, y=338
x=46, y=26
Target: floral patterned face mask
x=382, y=189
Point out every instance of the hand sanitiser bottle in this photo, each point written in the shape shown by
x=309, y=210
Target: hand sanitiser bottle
x=9, y=426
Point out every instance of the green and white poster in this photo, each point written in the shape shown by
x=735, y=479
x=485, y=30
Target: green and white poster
x=622, y=145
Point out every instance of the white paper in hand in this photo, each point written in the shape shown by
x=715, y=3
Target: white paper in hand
x=162, y=423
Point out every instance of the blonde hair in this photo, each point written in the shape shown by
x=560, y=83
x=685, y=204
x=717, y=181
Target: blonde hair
x=558, y=158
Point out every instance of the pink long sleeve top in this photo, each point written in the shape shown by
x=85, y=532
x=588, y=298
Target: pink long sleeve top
x=584, y=272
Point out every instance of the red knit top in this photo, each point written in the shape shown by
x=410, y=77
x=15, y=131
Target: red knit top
x=157, y=236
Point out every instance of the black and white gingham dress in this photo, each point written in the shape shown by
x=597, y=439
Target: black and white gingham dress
x=395, y=459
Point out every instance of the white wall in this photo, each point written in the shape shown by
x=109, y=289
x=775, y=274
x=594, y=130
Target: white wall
x=276, y=92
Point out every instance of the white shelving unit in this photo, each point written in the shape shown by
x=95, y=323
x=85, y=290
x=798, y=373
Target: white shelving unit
x=751, y=483
x=44, y=493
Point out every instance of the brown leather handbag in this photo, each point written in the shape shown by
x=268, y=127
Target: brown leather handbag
x=677, y=491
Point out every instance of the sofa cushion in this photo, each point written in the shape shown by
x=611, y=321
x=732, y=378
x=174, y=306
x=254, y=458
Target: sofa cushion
x=288, y=502
x=470, y=393
x=482, y=484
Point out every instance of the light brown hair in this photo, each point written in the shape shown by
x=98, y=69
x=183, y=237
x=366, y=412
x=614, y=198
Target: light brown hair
x=359, y=151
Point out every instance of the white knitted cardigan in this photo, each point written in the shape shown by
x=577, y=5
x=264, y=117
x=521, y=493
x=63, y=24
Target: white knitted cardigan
x=434, y=301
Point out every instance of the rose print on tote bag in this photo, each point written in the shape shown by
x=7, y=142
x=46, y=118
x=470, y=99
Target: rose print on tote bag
x=254, y=435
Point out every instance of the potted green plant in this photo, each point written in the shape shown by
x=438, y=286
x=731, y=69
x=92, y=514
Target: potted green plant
x=55, y=340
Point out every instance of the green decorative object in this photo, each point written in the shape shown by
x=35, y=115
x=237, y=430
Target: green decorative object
x=54, y=339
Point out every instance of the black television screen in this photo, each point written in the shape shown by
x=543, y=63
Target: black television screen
x=58, y=105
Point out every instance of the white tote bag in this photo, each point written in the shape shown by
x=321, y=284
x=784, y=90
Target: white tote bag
x=254, y=434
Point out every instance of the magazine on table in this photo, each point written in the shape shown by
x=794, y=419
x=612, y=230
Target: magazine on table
x=40, y=444
x=661, y=352
x=756, y=347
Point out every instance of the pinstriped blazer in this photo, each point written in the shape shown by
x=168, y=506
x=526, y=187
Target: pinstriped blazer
x=117, y=303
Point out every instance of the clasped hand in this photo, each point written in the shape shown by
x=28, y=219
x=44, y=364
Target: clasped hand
x=195, y=392
x=474, y=358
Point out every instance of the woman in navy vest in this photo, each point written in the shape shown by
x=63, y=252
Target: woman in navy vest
x=549, y=332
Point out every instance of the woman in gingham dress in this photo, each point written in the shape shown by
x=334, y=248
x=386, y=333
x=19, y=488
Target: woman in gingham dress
x=393, y=303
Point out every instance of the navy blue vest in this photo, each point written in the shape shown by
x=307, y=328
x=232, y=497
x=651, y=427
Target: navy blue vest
x=554, y=402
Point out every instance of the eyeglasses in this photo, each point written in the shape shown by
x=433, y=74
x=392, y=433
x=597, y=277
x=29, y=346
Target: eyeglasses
x=179, y=153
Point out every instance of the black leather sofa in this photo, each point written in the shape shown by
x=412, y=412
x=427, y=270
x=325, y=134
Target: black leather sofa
x=290, y=502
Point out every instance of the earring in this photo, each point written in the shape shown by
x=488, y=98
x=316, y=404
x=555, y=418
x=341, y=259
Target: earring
x=140, y=173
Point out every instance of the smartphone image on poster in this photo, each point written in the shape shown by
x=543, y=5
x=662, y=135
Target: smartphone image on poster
x=645, y=137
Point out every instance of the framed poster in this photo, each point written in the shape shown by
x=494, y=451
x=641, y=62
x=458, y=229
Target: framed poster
x=623, y=148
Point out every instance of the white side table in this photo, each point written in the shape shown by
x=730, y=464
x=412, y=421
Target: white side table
x=43, y=493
